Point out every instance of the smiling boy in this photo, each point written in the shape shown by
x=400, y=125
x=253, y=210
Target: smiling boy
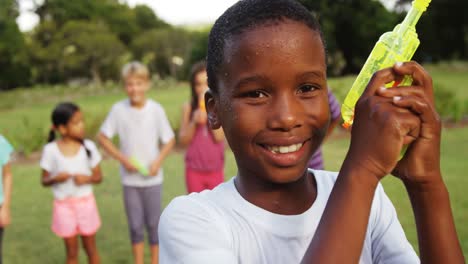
x=268, y=91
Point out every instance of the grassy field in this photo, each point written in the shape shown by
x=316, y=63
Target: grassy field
x=24, y=118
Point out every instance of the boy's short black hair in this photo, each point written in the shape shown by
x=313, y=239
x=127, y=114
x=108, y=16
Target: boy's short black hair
x=247, y=14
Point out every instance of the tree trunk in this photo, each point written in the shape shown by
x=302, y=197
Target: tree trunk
x=95, y=74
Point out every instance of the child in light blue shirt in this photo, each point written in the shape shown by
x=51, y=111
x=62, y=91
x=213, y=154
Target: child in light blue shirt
x=5, y=186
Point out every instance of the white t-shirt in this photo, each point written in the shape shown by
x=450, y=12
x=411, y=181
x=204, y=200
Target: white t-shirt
x=55, y=162
x=140, y=133
x=220, y=226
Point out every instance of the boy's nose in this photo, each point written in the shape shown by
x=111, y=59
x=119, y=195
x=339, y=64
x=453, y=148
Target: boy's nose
x=284, y=114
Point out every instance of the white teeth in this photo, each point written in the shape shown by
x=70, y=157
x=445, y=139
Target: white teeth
x=285, y=149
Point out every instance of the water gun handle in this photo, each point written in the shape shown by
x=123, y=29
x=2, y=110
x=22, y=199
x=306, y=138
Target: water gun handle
x=140, y=166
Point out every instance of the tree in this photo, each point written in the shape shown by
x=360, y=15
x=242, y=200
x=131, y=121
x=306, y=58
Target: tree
x=45, y=54
x=443, y=31
x=162, y=49
x=13, y=57
x=351, y=27
x=88, y=48
x=146, y=19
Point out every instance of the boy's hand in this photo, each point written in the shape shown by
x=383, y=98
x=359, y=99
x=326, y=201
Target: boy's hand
x=421, y=162
x=81, y=179
x=381, y=128
x=129, y=166
x=61, y=177
x=5, y=217
x=154, y=168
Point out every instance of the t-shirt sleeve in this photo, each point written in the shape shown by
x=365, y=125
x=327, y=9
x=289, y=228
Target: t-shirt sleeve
x=109, y=127
x=165, y=129
x=47, y=159
x=95, y=154
x=334, y=105
x=190, y=233
x=389, y=243
x=5, y=151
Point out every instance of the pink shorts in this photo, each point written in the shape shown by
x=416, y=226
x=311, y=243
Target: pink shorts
x=198, y=181
x=75, y=216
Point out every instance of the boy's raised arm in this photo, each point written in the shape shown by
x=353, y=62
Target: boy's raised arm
x=385, y=120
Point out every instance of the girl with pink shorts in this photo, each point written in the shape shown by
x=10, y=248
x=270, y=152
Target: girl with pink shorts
x=70, y=165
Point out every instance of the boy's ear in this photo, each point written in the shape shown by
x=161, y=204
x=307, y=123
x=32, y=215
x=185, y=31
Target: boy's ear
x=212, y=110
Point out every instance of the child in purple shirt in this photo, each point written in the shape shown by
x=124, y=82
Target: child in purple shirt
x=316, y=162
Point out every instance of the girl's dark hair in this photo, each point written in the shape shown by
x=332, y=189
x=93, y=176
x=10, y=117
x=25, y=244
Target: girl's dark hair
x=61, y=115
x=248, y=14
x=196, y=69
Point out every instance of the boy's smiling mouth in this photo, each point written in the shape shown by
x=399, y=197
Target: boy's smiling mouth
x=283, y=149
x=284, y=154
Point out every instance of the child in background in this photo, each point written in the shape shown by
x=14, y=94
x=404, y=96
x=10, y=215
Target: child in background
x=70, y=166
x=204, y=158
x=145, y=135
x=266, y=69
x=5, y=187
x=316, y=162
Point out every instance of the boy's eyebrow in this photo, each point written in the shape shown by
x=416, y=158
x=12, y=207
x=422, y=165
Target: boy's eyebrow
x=255, y=78
x=317, y=74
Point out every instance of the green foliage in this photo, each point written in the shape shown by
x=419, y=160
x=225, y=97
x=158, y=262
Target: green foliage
x=161, y=48
x=351, y=29
x=91, y=40
x=146, y=18
x=443, y=31
x=13, y=57
x=200, y=45
x=88, y=47
x=448, y=105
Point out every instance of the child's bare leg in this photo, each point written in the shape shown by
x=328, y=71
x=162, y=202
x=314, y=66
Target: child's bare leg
x=89, y=244
x=154, y=254
x=71, y=246
x=138, y=252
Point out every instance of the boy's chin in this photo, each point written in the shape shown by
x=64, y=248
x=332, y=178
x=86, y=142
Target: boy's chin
x=288, y=175
x=137, y=100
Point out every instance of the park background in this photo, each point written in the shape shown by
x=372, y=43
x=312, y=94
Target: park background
x=75, y=53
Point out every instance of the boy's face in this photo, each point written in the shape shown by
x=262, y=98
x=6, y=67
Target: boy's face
x=272, y=101
x=136, y=88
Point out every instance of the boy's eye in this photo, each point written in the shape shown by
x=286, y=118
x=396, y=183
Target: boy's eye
x=255, y=94
x=305, y=88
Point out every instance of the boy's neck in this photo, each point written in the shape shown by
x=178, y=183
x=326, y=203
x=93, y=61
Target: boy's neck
x=285, y=199
x=138, y=105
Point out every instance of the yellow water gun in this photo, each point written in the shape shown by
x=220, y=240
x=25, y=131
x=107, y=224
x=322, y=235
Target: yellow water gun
x=398, y=45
